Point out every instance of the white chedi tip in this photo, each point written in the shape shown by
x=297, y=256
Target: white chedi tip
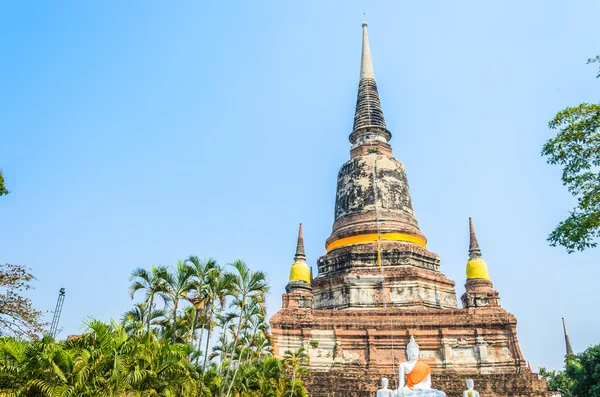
x=366, y=63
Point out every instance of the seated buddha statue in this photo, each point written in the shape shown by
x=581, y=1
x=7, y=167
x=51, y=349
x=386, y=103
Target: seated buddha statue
x=384, y=391
x=470, y=392
x=415, y=375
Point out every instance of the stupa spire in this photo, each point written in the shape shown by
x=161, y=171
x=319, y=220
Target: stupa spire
x=366, y=63
x=476, y=266
x=298, y=290
x=567, y=341
x=300, y=272
x=300, y=255
x=474, y=250
x=479, y=288
x=369, y=123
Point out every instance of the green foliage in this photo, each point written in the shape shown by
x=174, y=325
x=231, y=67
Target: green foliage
x=558, y=381
x=295, y=365
x=584, y=370
x=3, y=190
x=576, y=148
x=105, y=360
x=156, y=349
x=581, y=376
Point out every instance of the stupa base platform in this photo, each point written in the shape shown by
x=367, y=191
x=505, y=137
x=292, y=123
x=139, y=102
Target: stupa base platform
x=365, y=382
x=351, y=350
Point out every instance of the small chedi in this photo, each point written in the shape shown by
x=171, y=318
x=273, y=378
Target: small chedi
x=378, y=288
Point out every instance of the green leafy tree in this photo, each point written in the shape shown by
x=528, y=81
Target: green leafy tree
x=3, y=190
x=558, y=381
x=584, y=370
x=104, y=361
x=149, y=354
x=576, y=148
x=581, y=376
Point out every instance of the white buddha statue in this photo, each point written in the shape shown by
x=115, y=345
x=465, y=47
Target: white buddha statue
x=470, y=392
x=384, y=391
x=415, y=375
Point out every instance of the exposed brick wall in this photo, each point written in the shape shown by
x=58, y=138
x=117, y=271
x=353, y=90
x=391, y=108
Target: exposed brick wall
x=364, y=383
x=351, y=350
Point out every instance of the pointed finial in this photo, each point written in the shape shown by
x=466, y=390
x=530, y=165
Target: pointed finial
x=366, y=63
x=567, y=341
x=476, y=266
x=300, y=255
x=369, y=123
x=300, y=272
x=474, y=251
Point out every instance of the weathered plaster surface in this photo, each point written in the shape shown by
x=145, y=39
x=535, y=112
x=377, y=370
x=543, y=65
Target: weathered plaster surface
x=456, y=343
x=356, y=191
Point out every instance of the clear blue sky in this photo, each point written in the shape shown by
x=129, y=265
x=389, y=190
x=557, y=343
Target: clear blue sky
x=138, y=133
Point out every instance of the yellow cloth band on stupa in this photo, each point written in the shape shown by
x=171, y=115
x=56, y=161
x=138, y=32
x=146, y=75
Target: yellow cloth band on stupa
x=477, y=268
x=300, y=272
x=369, y=238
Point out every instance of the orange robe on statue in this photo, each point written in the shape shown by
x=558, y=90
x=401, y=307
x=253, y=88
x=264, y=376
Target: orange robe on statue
x=417, y=374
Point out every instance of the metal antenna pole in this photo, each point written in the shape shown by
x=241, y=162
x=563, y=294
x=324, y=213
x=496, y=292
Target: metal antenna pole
x=56, y=318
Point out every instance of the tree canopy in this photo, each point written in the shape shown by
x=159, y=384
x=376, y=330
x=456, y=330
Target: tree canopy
x=576, y=148
x=18, y=317
x=580, y=377
x=199, y=330
x=3, y=190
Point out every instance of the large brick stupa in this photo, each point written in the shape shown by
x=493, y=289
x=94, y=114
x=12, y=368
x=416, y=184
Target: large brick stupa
x=378, y=285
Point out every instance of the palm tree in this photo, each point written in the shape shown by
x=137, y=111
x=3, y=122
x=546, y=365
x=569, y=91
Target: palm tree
x=136, y=365
x=262, y=343
x=29, y=368
x=295, y=362
x=103, y=361
x=152, y=282
x=213, y=379
x=177, y=286
x=218, y=285
x=222, y=349
x=185, y=325
x=247, y=285
x=202, y=300
x=256, y=314
x=160, y=369
x=265, y=378
x=134, y=320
